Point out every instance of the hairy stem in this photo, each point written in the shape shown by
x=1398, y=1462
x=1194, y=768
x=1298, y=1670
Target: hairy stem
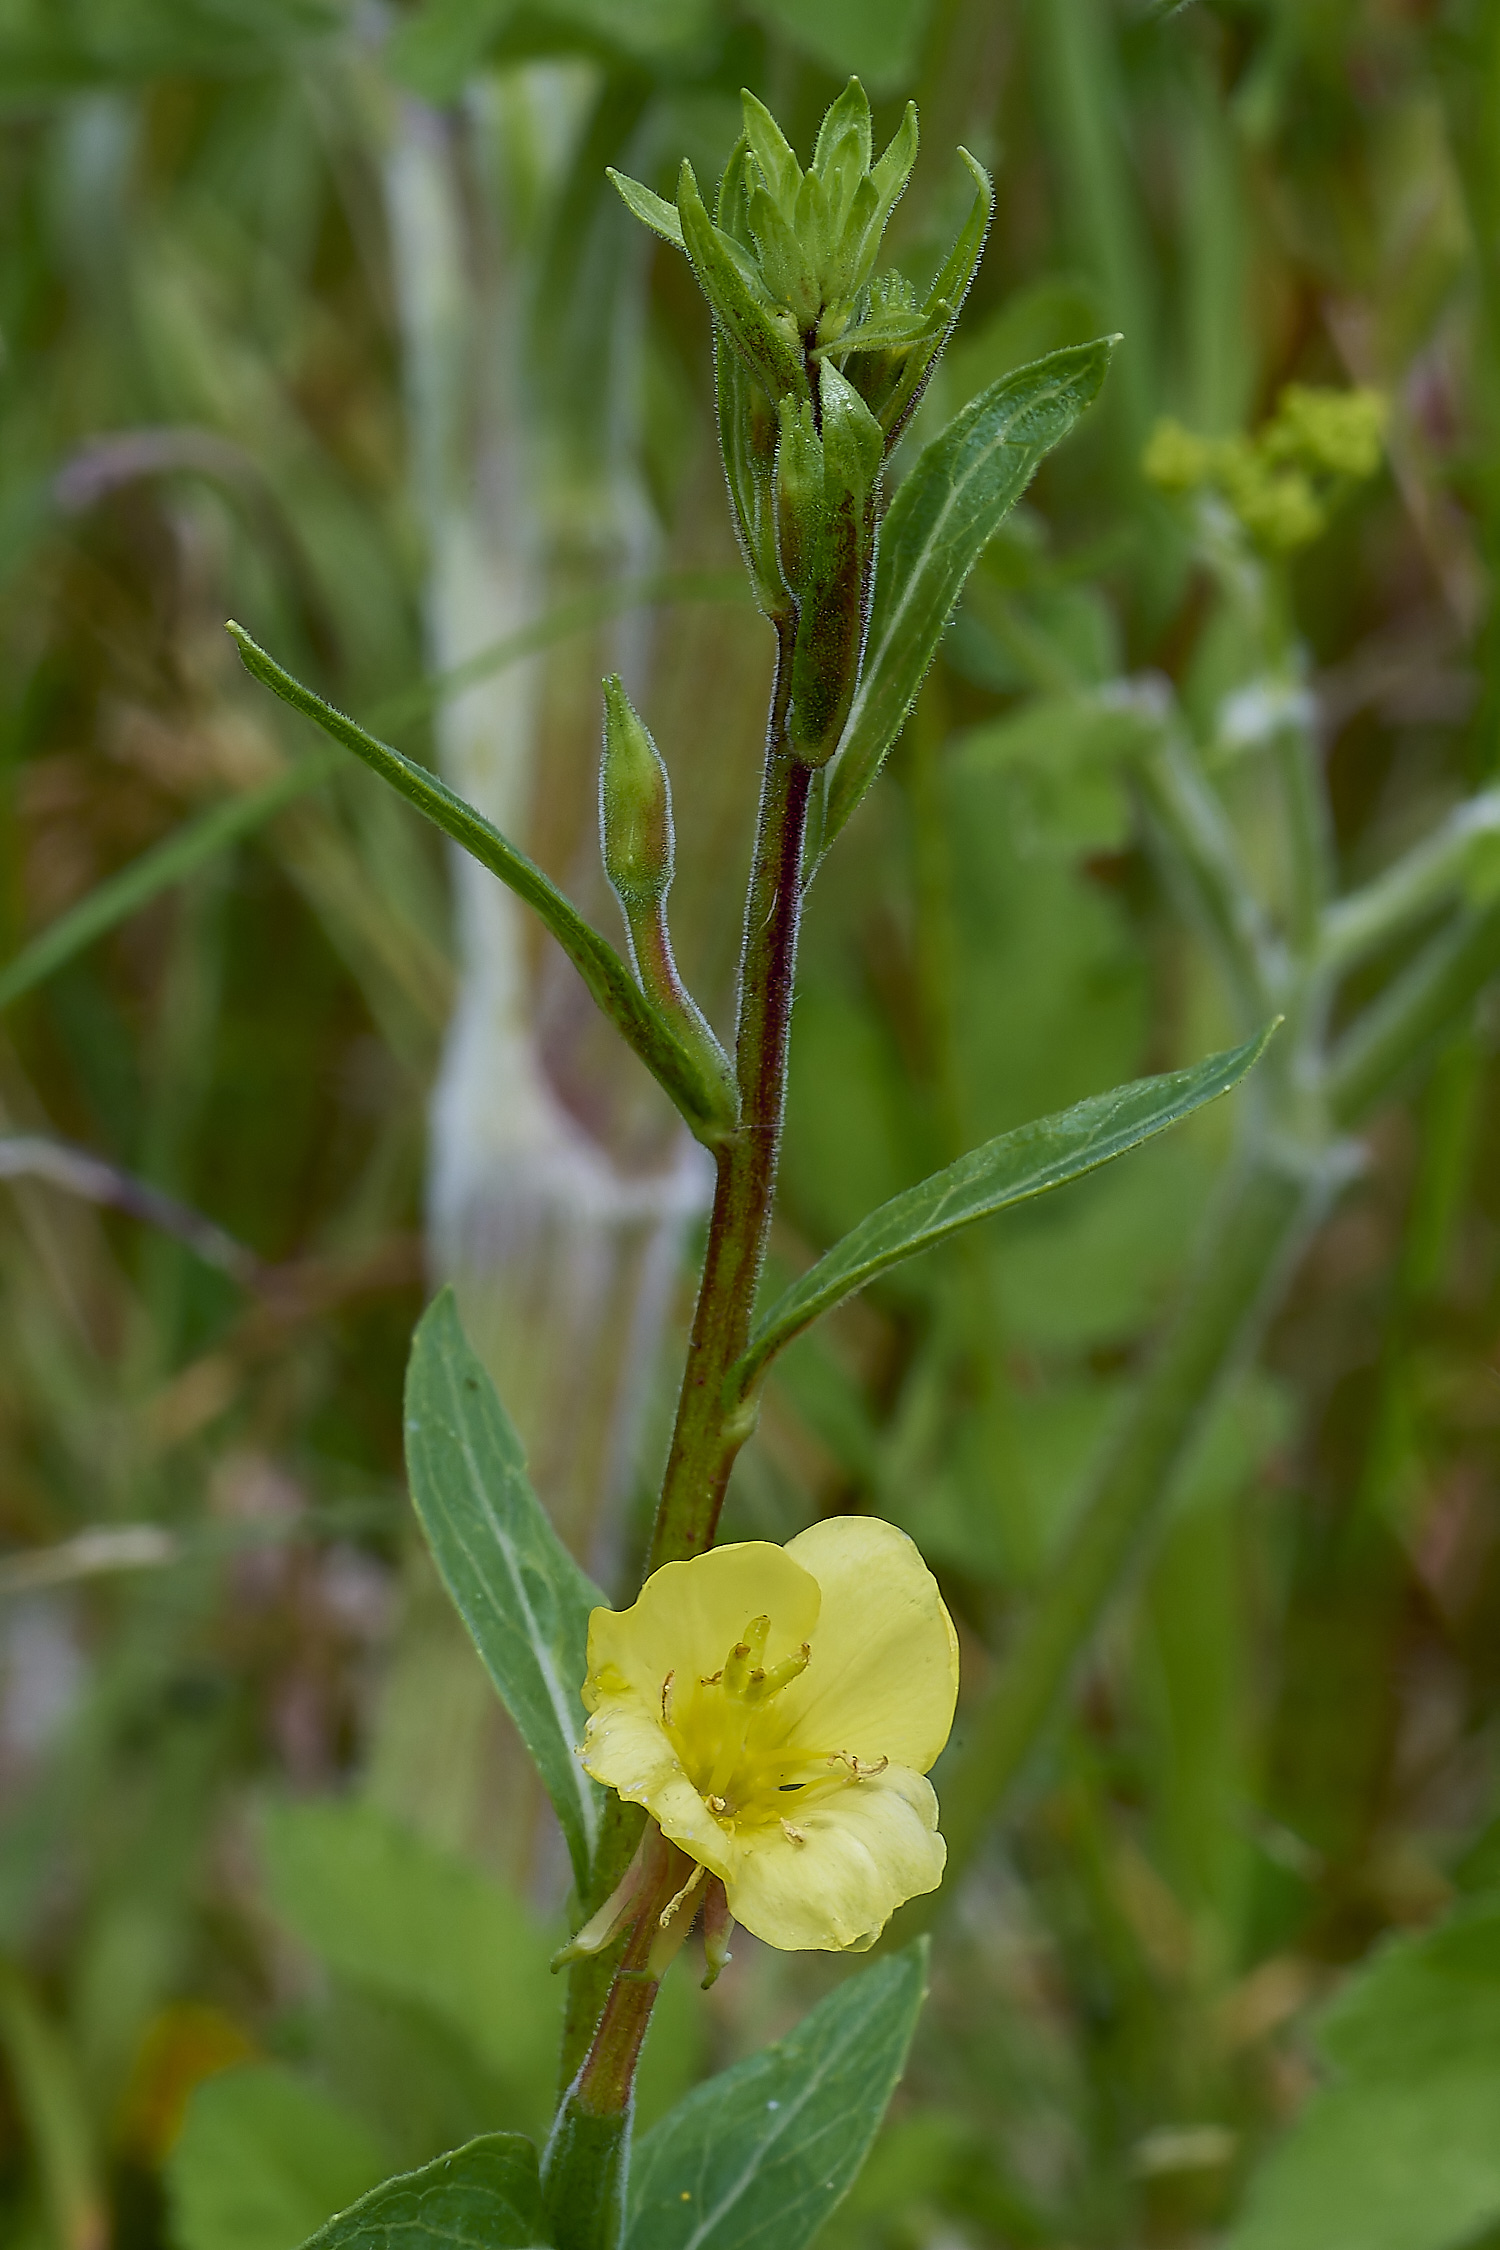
x=584, y=2171
x=708, y=1435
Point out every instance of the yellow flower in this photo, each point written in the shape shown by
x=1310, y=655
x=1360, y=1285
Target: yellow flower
x=775, y=1710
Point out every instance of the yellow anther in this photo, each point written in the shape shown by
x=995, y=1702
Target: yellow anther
x=792, y=1835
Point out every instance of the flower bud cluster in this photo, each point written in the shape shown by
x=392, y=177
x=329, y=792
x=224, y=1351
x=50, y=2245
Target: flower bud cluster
x=1283, y=483
x=820, y=363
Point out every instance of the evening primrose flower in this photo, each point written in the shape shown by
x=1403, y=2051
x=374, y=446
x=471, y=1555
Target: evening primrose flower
x=775, y=1709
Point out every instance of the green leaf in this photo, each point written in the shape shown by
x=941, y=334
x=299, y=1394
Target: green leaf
x=1004, y=1171
x=387, y=1911
x=653, y=210
x=263, y=2157
x=937, y=527
x=484, y=2196
x=524, y=1600
x=944, y=302
x=1404, y=2152
x=762, y=335
x=757, y=2158
x=702, y=1098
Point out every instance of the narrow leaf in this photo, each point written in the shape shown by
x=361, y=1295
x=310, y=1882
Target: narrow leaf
x=759, y=2157
x=944, y=300
x=523, y=1598
x=939, y=523
x=1027, y=1162
x=483, y=2196
x=653, y=210
x=700, y=1097
x=763, y=336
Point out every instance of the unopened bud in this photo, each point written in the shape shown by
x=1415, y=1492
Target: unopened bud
x=635, y=805
x=853, y=441
x=799, y=493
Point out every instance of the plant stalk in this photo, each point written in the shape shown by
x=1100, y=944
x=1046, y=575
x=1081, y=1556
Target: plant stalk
x=585, y=2168
x=707, y=1436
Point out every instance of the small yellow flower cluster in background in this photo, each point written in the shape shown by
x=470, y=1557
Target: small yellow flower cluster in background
x=1284, y=482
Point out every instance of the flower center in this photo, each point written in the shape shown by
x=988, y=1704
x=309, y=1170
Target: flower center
x=736, y=1744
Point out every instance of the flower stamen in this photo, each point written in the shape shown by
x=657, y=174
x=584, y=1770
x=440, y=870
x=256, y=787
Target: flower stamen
x=859, y=1769
x=680, y=1898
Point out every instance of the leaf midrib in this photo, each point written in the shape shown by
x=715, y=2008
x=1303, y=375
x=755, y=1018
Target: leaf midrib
x=933, y=539
x=536, y=1641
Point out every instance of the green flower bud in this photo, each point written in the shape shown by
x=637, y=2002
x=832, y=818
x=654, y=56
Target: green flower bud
x=853, y=441
x=788, y=267
x=635, y=806
x=799, y=494
x=826, y=530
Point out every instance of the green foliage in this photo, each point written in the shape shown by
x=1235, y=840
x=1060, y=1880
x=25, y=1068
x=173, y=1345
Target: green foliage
x=762, y=2154
x=1399, y=2152
x=215, y=393
x=1029, y=1161
x=703, y=1097
x=946, y=511
x=386, y=1912
x=484, y=2194
x=264, y=2157
x=523, y=1598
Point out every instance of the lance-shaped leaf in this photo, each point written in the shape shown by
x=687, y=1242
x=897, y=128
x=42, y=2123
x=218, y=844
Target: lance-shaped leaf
x=765, y=337
x=703, y=1097
x=1008, y=1170
x=938, y=525
x=483, y=2196
x=653, y=210
x=910, y=375
x=524, y=1600
x=758, y=2158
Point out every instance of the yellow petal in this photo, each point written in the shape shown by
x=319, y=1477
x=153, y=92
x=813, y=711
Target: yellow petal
x=689, y=1615
x=865, y=1849
x=625, y=1747
x=883, y=1679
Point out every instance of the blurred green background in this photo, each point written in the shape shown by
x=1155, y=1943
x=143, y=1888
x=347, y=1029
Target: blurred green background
x=322, y=317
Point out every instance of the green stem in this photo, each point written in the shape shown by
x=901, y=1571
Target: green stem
x=584, y=2171
x=708, y=1434
x=1201, y=858
x=1265, y=1217
x=1420, y=883
x=1413, y=1012
x=1309, y=844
